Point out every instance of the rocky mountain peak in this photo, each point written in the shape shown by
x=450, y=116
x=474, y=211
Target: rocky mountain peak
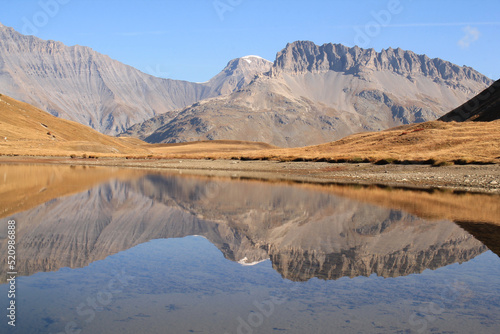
x=305, y=56
x=247, y=66
x=238, y=73
x=254, y=61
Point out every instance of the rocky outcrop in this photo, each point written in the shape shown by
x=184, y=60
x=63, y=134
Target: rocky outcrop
x=142, y=130
x=484, y=107
x=301, y=265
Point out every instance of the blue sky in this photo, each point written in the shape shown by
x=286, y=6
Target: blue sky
x=194, y=39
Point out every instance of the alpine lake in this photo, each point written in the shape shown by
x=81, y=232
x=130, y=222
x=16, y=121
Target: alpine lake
x=110, y=250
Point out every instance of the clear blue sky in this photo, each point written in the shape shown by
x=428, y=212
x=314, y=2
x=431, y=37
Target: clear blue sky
x=194, y=39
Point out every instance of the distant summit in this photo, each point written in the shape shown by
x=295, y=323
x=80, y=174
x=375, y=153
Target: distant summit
x=238, y=73
x=315, y=94
x=249, y=58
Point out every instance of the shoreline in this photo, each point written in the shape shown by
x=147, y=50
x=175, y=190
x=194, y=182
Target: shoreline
x=456, y=178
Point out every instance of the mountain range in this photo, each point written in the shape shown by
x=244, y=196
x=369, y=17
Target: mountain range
x=315, y=94
x=310, y=95
x=80, y=84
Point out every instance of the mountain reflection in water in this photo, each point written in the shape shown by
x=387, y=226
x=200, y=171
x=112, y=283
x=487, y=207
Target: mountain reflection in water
x=305, y=233
x=274, y=257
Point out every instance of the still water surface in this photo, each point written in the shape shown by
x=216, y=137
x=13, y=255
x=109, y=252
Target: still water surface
x=141, y=252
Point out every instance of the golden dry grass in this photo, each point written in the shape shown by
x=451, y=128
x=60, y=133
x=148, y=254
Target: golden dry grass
x=210, y=147
x=27, y=130
x=473, y=142
x=31, y=131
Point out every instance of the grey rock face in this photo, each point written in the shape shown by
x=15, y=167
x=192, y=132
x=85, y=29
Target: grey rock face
x=305, y=56
x=310, y=95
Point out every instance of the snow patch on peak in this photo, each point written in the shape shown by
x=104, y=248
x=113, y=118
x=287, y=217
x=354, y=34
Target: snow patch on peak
x=244, y=262
x=248, y=59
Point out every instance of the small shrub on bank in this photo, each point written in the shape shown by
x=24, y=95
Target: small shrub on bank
x=442, y=163
x=460, y=162
x=386, y=161
x=427, y=162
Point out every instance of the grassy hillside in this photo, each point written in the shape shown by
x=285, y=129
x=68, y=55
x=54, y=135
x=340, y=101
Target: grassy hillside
x=431, y=141
x=26, y=130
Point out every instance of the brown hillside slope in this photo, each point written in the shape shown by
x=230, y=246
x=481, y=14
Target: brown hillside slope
x=27, y=130
x=430, y=140
x=469, y=141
